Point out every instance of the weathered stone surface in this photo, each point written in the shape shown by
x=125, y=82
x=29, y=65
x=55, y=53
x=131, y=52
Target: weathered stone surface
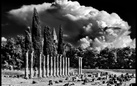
x=63, y=67
x=67, y=84
x=50, y=82
x=54, y=68
x=60, y=65
x=31, y=65
x=34, y=82
x=43, y=67
x=56, y=82
x=47, y=65
x=60, y=80
x=57, y=65
x=26, y=67
x=40, y=70
x=51, y=66
x=68, y=66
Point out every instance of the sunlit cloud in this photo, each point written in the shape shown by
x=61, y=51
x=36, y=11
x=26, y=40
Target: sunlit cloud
x=79, y=22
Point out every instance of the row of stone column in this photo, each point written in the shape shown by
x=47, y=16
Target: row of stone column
x=49, y=66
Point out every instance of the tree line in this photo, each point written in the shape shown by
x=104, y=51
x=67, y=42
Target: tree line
x=13, y=52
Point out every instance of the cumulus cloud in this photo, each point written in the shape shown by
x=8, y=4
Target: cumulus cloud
x=85, y=42
x=3, y=39
x=78, y=22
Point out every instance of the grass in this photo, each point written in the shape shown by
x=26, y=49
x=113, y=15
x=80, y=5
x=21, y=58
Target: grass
x=123, y=70
x=12, y=72
x=114, y=70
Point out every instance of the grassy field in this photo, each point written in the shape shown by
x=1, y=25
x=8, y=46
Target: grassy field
x=114, y=70
x=123, y=70
x=12, y=72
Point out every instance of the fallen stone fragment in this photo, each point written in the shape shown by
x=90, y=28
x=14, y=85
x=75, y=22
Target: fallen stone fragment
x=34, y=82
x=60, y=80
x=50, y=82
x=67, y=84
x=56, y=82
x=10, y=76
x=14, y=76
x=18, y=76
x=83, y=83
x=66, y=78
x=78, y=80
x=72, y=84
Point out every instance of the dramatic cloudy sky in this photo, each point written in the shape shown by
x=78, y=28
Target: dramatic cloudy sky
x=77, y=21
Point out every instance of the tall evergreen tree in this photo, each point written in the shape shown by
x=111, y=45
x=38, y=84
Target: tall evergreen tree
x=36, y=33
x=28, y=39
x=36, y=37
x=60, y=41
x=54, y=41
x=48, y=41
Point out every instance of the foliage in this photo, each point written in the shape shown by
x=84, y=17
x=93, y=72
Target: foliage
x=48, y=41
x=28, y=39
x=13, y=52
x=36, y=33
x=60, y=41
x=106, y=59
x=36, y=37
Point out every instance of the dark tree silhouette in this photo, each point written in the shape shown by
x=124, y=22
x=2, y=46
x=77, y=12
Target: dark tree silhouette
x=48, y=41
x=60, y=41
x=28, y=39
x=36, y=36
x=36, y=32
x=54, y=42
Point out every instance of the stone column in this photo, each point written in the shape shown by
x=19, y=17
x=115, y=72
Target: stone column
x=26, y=66
x=60, y=66
x=80, y=65
x=54, y=64
x=31, y=65
x=68, y=66
x=51, y=66
x=47, y=65
x=43, y=67
x=63, y=66
x=40, y=70
x=57, y=66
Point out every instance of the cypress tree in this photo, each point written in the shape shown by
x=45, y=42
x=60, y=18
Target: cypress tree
x=48, y=41
x=36, y=35
x=60, y=41
x=54, y=41
x=36, y=32
x=28, y=39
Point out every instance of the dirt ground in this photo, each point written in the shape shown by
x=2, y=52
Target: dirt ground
x=8, y=81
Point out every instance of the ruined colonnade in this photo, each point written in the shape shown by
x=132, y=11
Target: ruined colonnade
x=48, y=66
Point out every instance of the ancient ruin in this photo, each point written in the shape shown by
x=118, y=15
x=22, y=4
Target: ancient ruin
x=49, y=65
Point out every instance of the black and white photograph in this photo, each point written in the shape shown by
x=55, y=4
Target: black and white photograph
x=68, y=43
